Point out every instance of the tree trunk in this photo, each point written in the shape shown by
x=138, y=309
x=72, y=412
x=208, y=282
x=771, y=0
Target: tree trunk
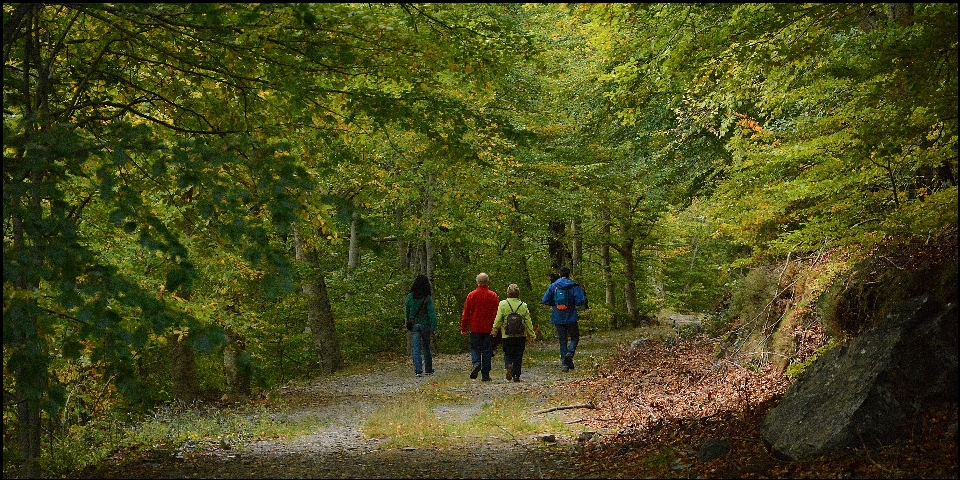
x=319, y=313
x=630, y=275
x=183, y=369
x=555, y=244
x=402, y=247
x=32, y=372
x=427, y=242
x=577, y=255
x=28, y=422
x=353, y=255
x=608, y=286
x=236, y=365
x=902, y=13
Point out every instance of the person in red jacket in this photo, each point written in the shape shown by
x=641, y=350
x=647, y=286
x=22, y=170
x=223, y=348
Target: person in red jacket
x=479, y=311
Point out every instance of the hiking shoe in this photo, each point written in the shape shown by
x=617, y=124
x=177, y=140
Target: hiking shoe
x=509, y=374
x=568, y=361
x=430, y=372
x=419, y=375
x=566, y=368
x=516, y=379
x=486, y=378
x=476, y=370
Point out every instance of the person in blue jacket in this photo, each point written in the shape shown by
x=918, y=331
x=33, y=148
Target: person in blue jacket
x=564, y=317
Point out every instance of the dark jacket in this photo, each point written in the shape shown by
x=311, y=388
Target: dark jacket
x=428, y=317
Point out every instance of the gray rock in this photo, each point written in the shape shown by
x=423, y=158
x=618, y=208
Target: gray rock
x=859, y=393
x=713, y=449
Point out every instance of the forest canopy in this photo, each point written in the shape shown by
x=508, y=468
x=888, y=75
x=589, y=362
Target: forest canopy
x=222, y=197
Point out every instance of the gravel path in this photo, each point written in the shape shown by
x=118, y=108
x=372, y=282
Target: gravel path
x=339, y=449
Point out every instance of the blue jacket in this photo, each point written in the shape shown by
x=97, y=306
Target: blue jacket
x=563, y=317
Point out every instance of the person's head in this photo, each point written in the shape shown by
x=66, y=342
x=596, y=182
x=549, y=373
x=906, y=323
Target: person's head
x=421, y=286
x=483, y=279
x=564, y=272
x=513, y=291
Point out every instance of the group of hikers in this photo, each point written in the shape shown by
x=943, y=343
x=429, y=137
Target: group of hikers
x=486, y=320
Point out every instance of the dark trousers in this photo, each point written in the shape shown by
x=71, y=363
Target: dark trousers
x=481, y=351
x=513, y=348
x=568, y=335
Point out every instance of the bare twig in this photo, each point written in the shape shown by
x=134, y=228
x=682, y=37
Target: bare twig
x=565, y=407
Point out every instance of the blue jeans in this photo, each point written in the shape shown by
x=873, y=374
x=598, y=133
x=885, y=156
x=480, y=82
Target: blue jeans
x=481, y=351
x=420, y=339
x=567, y=331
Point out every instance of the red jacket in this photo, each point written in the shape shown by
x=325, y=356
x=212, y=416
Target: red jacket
x=479, y=310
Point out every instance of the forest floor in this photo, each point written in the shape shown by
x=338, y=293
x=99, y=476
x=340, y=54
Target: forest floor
x=624, y=413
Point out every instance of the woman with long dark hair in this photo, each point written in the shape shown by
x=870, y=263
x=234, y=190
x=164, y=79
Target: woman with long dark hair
x=422, y=322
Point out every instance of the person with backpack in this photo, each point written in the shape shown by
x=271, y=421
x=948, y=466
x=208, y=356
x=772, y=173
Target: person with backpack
x=565, y=295
x=479, y=311
x=513, y=325
x=421, y=318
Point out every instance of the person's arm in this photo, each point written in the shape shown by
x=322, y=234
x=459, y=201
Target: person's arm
x=581, y=296
x=548, y=296
x=527, y=321
x=498, y=320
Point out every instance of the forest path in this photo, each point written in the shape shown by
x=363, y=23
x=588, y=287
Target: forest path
x=338, y=406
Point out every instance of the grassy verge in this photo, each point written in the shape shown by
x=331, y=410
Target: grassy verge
x=436, y=416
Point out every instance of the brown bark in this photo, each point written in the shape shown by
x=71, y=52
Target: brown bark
x=319, y=312
x=183, y=369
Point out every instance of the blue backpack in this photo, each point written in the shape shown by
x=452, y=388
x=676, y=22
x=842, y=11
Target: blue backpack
x=563, y=297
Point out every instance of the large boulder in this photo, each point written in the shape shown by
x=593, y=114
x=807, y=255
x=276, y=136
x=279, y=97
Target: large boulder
x=859, y=393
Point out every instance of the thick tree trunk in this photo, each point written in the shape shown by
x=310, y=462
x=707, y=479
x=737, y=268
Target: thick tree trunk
x=319, y=313
x=183, y=369
x=32, y=374
x=28, y=423
x=630, y=275
x=902, y=13
x=236, y=365
x=559, y=256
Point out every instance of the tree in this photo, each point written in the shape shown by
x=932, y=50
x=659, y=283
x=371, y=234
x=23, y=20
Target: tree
x=92, y=127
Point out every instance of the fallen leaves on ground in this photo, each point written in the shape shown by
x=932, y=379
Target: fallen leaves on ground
x=666, y=401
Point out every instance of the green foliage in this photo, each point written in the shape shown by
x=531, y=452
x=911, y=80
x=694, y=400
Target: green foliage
x=686, y=140
x=752, y=297
x=597, y=318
